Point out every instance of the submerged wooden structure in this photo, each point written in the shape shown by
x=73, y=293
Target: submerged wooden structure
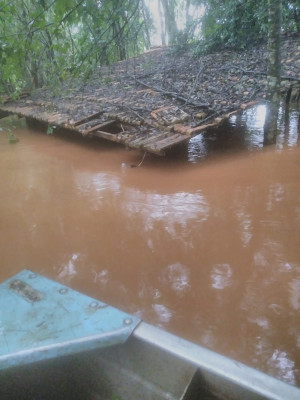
x=117, y=128
x=159, y=99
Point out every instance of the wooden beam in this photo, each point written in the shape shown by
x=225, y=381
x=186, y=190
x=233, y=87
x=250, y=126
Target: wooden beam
x=168, y=142
x=98, y=127
x=146, y=140
x=87, y=118
x=109, y=136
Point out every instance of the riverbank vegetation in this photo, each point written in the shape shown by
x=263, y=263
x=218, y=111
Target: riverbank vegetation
x=45, y=42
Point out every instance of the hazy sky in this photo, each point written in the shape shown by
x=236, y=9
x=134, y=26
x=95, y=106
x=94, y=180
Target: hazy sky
x=153, y=6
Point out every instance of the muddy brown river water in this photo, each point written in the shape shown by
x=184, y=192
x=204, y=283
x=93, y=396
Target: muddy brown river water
x=204, y=243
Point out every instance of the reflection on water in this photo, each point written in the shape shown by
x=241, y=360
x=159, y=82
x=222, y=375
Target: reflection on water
x=246, y=131
x=294, y=289
x=68, y=270
x=98, y=183
x=172, y=209
x=280, y=363
x=220, y=276
x=208, y=250
x=163, y=314
x=177, y=277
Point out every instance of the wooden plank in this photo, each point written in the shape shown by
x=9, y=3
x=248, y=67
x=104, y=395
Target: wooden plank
x=168, y=142
x=87, y=118
x=110, y=136
x=56, y=119
x=159, y=110
x=98, y=127
x=136, y=143
x=61, y=121
x=88, y=125
x=188, y=130
x=145, y=140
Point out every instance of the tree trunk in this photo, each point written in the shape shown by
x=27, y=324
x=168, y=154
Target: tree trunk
x=170, y=21
x=270, y=127
x=274, y=69
x=188, y=18
x=119, y=40
x=146, y=17
x=274, y=57
x=162, y=25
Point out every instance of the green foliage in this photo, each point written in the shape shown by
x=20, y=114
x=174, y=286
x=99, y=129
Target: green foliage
x=45, y=42
x=238, y=24
x=115, y=397
x=50, y=129
x=291, y=16
x=234, y=23
x=12, y=138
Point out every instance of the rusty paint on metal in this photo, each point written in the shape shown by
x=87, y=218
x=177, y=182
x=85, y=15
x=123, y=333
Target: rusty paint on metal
x=25, y=291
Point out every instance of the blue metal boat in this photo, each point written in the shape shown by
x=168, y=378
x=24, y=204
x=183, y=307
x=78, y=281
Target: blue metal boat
x=56, y=343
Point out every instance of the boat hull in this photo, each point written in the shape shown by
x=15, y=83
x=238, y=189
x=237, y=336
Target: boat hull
x=56, y=343
x=169, y=369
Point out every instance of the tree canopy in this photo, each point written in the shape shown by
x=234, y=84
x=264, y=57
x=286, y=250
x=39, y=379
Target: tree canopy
x=45, y=41
x=238, y=24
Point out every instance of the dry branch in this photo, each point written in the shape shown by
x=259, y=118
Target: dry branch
x=173, y=94
x=246, y=71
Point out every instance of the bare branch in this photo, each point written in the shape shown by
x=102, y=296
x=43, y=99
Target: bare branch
x=173, y=94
